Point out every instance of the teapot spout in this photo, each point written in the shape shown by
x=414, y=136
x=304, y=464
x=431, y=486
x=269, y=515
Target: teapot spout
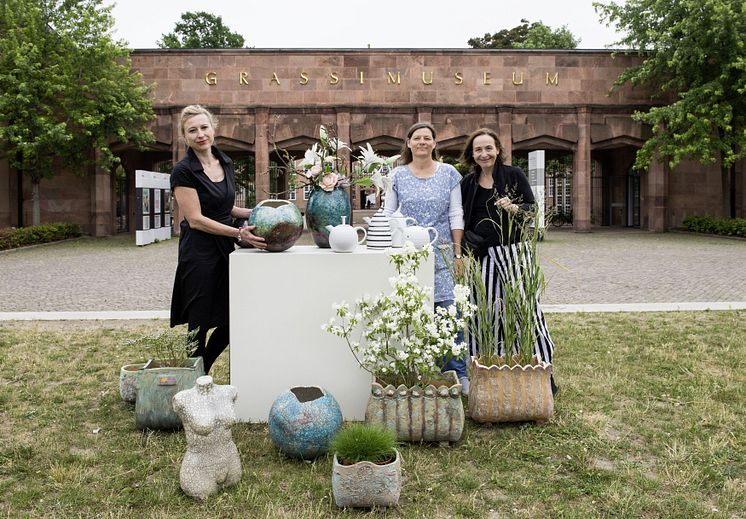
x=329, y=228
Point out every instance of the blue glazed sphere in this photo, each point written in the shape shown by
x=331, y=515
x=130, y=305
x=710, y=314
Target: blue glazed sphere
x=303, y=421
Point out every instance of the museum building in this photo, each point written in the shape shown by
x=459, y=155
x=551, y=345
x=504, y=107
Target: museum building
x=272, y=101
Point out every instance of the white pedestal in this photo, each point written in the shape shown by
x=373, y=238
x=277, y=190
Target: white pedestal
x=278, y=302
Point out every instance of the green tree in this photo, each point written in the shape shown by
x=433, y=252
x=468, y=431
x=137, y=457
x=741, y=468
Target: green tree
x=67, y=90
x=201, y=30
x=527, y=36
x=694, y=60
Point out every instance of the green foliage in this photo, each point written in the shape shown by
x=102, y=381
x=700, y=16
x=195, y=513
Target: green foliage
x=363, y=442
x=695, y=63
x=11, y=238
x=201, y=30
x=713, y=225
x=527, y=36
x=67, y=90
x=170, y=347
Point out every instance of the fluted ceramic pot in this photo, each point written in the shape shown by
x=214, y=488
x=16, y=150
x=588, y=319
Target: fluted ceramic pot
x=366, y=484
x=303, y=421
x=326, y=208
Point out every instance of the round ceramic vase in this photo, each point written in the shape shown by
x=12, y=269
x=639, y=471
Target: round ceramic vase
x=280, y=226
x=326, y=208
x=303, y=421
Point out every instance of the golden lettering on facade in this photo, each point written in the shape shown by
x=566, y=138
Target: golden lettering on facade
x=519, y=82
x=427, y=81
x=390, y=78
x=553, y=80
x=303, y=78
x=361, y=77
x=243, y=78
x=211, y=78
x=486, y=80
x=458, y=78
x=334, y=78
x=274, y=78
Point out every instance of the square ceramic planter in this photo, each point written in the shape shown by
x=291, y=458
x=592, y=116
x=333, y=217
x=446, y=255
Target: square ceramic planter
x=434, y=413
x=510, y=393
x=366, y=484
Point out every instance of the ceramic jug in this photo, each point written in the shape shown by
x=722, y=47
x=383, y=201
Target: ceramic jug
x=420, y=236
x=343, y=237
x=398, y=223
x=379, y=230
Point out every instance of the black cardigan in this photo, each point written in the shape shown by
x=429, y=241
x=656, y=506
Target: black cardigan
x=508, y=181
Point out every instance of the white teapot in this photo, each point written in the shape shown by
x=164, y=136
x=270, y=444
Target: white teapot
x=379, y=230
x=420, y=236
x=343, y=237
x=398, y=223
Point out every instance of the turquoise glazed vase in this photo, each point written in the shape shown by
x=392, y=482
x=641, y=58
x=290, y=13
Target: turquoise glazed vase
x=303, y=421
x=280, y=226
x=326, y=208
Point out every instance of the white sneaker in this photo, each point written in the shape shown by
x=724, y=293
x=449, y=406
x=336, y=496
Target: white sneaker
x=464, y=381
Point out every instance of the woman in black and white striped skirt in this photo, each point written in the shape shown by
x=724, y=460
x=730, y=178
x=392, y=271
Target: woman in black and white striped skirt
x=494, y=195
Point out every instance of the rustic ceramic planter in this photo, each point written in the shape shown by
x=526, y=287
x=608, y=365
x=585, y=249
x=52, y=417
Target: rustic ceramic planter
x=128, y=381
x=366, y=484
x=434, y=413
x=510, y=393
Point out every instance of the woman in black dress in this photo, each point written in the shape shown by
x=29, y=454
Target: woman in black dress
x=490, y=193
x=203, y=184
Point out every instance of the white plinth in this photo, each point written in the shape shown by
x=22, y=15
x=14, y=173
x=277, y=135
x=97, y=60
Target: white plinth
x=278, y=302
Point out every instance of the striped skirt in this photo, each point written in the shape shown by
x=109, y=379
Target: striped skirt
x=499, y=268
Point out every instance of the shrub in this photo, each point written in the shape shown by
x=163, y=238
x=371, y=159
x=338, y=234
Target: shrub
x=363, y=442
x=11, y=238
x=713, y=225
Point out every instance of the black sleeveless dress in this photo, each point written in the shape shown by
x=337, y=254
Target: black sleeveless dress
x=200, y=295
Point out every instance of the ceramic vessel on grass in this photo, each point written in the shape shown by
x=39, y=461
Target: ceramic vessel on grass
x=128, y=381
x=366, y=484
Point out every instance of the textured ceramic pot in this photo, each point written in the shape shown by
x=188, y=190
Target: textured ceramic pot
x=366, y=484
x=157, y=384
x=279, y=222
x=434, y=413
x=510, y=393
x=326, y=208
x=128, y=381
x=303, y=421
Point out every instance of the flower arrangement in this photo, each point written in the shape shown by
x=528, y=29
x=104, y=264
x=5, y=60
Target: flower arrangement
x=375, y=168
x=403, y=339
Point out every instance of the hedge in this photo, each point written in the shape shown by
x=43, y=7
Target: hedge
x=712, y=225
x=11, y=238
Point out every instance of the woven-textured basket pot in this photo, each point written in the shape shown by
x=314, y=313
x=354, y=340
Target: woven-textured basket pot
x=434, y=413
x=510, y=393
x=366, y=484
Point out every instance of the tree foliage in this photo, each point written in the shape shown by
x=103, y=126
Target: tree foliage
x=534, y=35
x=695, y=62
x=67, y=90
x=201, y=30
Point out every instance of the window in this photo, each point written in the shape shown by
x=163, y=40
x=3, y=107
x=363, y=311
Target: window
x=306, y=192
x=291, y=194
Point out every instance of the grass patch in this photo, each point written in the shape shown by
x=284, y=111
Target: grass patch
x=650, y=422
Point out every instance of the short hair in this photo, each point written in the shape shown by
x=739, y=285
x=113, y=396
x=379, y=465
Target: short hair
x=467, y=155
x=406, y=153
x=190, y=111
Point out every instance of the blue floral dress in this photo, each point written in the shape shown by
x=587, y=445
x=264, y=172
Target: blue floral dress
x=428, y=200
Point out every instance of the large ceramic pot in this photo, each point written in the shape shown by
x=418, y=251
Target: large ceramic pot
x=511, y=393
x=279, y=222
x=157, y=384
x=303, y=421
x=326, y=208
x=366, y=484
x=434, y=413
x=128, y=381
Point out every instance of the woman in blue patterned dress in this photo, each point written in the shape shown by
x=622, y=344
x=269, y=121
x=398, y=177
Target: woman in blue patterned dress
x=428, y=191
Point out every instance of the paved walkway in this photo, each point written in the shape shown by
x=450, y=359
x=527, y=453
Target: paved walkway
x=605, y=270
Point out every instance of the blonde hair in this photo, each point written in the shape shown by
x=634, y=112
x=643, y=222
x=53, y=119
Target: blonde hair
x=190, y=111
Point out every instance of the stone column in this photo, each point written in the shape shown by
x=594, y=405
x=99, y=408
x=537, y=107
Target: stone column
x=505, y=132
x=6, y=194
x=102, y=202
x=424, y=114
x=176, y=146
x=581, y=186
x=656, y=201
x=261, y=154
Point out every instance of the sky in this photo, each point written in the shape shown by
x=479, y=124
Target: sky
x=359, y=24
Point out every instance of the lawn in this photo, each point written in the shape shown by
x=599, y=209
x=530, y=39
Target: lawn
x=650, y=421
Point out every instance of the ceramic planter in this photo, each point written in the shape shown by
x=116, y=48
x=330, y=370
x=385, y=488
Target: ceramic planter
x=510, y=393
x=128, y=381
x=434, y=413
x=157, y=384
x=366, y=484
x=303, y=421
